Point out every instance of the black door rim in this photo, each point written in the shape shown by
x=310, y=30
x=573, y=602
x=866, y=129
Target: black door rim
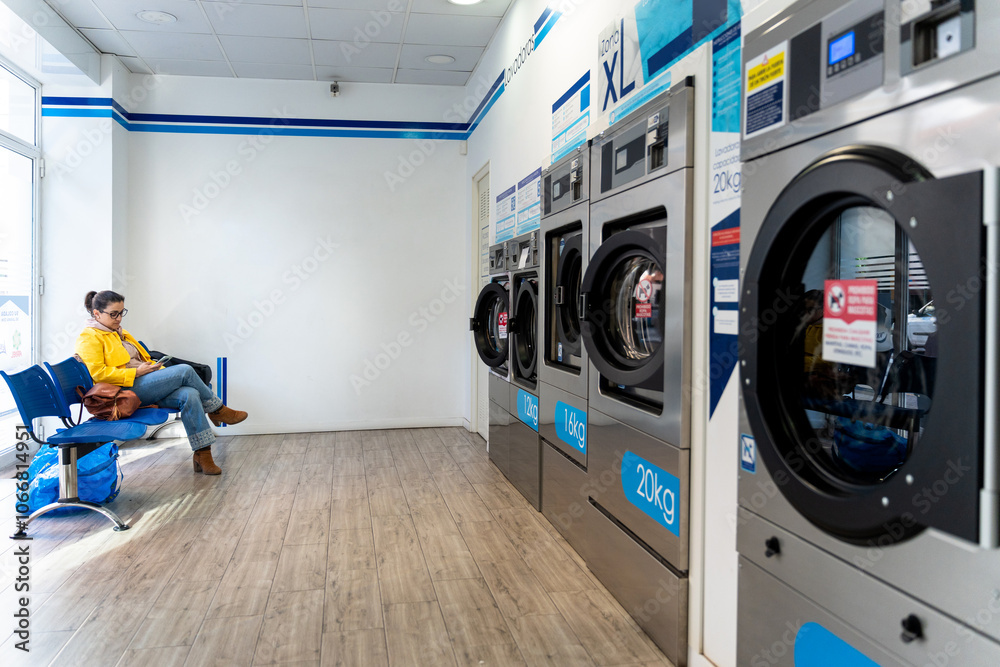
x=842, y=179
x=490, y=294
x=613, y=366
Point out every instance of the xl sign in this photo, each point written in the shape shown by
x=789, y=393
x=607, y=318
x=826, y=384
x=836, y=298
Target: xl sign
x=620, y=61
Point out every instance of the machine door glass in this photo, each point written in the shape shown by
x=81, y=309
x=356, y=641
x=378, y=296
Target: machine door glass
x=624, y=313
x=865, y=336
x=862, y=346
x=489, y=325
x=525, y=326
x=564, y=263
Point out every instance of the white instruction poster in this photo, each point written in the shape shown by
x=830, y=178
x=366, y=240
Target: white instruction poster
x=850, y=309
x=529, y=203
x=765, y=92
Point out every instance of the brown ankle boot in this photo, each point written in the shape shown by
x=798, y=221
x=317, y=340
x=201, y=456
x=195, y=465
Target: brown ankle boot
x=203, y=462
x=226, y=415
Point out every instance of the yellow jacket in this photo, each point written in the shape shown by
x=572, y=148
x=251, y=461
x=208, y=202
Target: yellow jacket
x=106, y=357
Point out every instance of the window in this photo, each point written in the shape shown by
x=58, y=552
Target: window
x=19, y=152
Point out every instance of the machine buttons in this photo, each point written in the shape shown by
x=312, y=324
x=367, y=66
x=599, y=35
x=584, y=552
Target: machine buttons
x=773, y=545
x=912, y=629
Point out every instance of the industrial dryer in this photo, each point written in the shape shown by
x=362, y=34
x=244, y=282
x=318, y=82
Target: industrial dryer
x=489, y=325
x=563, y=369
x=868, y=487
x=635, y=310
x=524, y=446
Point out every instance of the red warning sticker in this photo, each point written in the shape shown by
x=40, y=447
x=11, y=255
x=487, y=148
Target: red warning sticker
x=502, y=322
x=643, y=310
x=644, y=291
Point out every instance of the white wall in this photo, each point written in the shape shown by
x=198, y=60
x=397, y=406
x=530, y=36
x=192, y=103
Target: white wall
x=336, y=295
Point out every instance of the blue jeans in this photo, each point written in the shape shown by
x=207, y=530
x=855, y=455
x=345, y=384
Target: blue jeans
x=180, y=387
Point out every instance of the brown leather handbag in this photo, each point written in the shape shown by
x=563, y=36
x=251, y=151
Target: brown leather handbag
x=108, y=402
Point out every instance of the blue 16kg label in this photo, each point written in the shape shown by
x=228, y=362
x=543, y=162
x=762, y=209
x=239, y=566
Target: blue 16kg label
x=654, y=491
x=571, y=426
x=527, y=409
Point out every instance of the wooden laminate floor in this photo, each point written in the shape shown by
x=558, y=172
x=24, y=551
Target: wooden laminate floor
x=398, y=548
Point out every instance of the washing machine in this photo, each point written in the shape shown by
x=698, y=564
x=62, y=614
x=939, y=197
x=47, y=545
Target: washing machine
x=868, y=515
x=636, y=329
x=563, y=368
x=490, y=330
x=525, y=447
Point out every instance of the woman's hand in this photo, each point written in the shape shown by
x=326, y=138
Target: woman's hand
x=146, y=367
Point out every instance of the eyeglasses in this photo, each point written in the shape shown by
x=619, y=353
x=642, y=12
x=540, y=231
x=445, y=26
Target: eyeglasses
x=116, y=315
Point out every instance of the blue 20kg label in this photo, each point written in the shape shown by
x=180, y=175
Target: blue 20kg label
x=656, y=492
x=527, y=409
x=571, y=426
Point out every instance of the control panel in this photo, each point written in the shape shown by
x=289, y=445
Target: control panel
x=567, y=182
x=522, y=252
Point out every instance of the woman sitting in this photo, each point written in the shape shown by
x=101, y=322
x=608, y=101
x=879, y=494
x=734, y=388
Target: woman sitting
x=112, y=355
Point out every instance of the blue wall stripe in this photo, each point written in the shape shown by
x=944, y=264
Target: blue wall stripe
x=545, y=31
x=541, y=19
x=486, y=100
x=77, y=101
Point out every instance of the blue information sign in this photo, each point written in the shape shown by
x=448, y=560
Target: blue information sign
x=571, y=426
x=653, y=490
x=527, y=408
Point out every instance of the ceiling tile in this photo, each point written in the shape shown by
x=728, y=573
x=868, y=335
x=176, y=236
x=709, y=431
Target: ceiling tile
x=357, y=74
x=190, y=67
x=275, y=50
x=82, y=14
x=413, y=57
x=358, y=27
x=366, y=5
x=273, y=71
x=173, y=46
x=347, y=54
x=434, y=77
x=214, y=10
x=122, y=14
x=135, y=66
x=487, y=8
x=259, y=20
x=108, y=41
x=453, y=30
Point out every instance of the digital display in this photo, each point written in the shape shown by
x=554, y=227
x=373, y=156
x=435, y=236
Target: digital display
x=842, y=47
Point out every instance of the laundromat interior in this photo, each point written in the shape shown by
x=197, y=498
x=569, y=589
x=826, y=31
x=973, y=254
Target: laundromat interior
x=545, y=332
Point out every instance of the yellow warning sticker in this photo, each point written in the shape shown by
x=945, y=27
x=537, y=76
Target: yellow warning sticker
x=769, y=70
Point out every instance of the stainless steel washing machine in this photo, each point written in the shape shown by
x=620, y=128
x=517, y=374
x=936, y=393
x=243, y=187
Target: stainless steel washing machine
x=489, y=325
x=563, y=369
x=636, y=328
x=868, y=514
x=525, y=448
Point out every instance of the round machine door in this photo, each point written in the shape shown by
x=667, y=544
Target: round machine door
x=524, y=326
x=568, y=280
x=489, y=324
x=862, y=341
x=623, y=314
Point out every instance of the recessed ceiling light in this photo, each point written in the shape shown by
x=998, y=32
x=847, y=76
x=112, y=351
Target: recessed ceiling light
x=465, y=2
x=155, y=17
x=439, y=59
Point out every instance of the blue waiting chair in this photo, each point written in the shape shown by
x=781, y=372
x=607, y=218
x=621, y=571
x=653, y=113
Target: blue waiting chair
x=35, y=395
x=73, y=373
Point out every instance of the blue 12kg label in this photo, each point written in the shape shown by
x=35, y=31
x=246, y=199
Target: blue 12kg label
x=527, y=409
x=656, y=492
x=571, y=426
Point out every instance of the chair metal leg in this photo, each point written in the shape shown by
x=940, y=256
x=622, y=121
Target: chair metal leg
x=84, y=504
x=153, y=431
x=68, y=490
